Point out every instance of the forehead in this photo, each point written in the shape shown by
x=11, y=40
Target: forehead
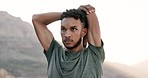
x=70, y=22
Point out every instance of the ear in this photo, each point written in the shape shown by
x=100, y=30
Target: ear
x=84, y=32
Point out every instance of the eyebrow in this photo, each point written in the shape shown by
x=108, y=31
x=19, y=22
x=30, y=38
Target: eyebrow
x=71, y=26
x=63, y=26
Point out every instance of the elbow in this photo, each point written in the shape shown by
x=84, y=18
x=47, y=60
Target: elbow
x=35, y=18
x=38, y=19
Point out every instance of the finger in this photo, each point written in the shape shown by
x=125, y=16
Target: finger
x=84, y=8
x=90, y=8
x=87, y=8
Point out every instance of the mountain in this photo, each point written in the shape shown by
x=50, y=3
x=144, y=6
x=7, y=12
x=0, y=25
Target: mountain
x=5, y=74
x=21, y=54
x=141, y=69
x=116, y=70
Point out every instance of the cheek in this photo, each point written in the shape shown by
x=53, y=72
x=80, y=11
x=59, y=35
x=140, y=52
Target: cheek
x=62, y=36
x=76, y=36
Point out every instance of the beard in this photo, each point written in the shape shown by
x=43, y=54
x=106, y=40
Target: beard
x=75, y=45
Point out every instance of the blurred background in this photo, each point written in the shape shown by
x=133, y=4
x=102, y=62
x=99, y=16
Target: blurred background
x=123, y=26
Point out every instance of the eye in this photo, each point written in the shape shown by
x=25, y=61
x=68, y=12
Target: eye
x=63, y=29
x=73, y=29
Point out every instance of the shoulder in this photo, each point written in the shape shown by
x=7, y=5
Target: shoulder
x=97, y=51
x=91, y=46
x=54, y=44
x=54, y=48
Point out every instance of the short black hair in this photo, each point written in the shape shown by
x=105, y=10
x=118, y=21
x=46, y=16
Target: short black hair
x=76, y=14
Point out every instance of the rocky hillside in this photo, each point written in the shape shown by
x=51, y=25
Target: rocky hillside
x=142, y=69
x=114, y=70
x=20, y=51
x=5, y=74
x=21, y=54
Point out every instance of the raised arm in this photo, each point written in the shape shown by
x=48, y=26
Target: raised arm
x=40, y=22
x=93, y=35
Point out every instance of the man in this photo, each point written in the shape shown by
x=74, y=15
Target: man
x=76, y=60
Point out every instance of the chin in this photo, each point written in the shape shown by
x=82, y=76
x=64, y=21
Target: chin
x=69, y=47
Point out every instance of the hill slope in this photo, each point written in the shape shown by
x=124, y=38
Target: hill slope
x=141, y=69
x=20, y=51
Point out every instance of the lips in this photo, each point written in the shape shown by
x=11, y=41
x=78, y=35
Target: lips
x=67, y=40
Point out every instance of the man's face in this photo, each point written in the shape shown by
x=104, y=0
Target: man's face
x=71, y=32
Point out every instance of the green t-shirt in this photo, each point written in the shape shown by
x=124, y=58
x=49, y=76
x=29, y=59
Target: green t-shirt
x=83, y=64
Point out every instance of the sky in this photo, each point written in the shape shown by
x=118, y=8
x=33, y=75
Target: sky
x=123, y=23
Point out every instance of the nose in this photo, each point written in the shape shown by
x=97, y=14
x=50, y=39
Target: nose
x=67, y=34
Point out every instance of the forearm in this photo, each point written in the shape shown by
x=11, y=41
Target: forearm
x=93, y=29
x=47, y=18
x=93, y=35
x=93, y=24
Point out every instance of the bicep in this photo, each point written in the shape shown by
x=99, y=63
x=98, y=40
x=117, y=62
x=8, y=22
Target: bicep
x=44, y=35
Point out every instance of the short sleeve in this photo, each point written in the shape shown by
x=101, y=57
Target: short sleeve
x=54, y=44
x=98, y=51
